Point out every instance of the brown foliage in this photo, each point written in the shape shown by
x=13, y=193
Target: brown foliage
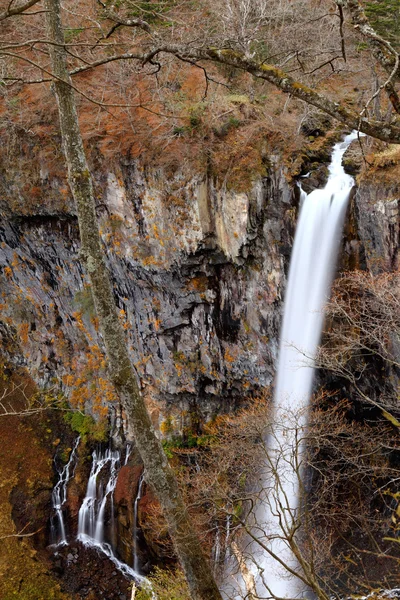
x=345, y=517
x=363, y=331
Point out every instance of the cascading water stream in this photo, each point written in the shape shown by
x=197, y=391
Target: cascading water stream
x=135, y=524
x=127, y=453
x=92, y=512
x=216, y=550
x=311, y=271
x=59, y=497
x=112, y=482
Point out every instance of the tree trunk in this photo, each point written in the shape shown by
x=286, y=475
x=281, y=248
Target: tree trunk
x=158, y=471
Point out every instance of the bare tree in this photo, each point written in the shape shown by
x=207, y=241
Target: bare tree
x=247, y=31
x=243, y=24
x=363, y=336
x=343, y=522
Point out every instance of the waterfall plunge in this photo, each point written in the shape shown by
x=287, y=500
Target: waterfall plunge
x=311, y=271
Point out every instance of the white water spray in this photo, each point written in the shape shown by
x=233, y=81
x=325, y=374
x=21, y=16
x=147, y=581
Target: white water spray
x=59, y=498
x=91, y=513
x=312, y=267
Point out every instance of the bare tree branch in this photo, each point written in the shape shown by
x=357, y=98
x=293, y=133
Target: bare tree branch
x=377, y=129
x=121, y=21
x=10, y=12
x=382, y=50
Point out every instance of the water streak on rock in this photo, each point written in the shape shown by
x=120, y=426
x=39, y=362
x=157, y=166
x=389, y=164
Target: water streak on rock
x=59, y=497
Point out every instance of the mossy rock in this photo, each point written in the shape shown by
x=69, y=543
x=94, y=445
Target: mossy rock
x=353, y=158
x=316, y=180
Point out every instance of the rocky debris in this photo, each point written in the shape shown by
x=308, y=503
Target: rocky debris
x=88, y=574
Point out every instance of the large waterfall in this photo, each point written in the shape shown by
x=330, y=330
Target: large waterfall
x=268, y=567
x=311, y=271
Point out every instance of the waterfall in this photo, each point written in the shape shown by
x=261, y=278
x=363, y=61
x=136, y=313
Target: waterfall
x=91, y=513
x=59, y=497
x=91, y=518
x=135, y=524
x=216, y=550
x=127, y=453
x=311, y=271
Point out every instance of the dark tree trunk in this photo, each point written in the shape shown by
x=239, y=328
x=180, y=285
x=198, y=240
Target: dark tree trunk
x=158, y=471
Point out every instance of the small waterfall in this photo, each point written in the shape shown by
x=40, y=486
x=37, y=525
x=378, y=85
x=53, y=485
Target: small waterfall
x=59, y=497
x=91, y=513
x=227, y=534
x=216, y=551
x=311, y=270
x=127, y=453
x=136, y=524
x=91, y=518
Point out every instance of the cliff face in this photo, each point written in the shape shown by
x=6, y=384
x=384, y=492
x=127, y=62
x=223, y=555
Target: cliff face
x=379, y=224
x=198, y=273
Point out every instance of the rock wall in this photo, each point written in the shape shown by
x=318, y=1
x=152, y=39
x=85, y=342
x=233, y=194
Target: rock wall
x=379, y=224
x=198, y=273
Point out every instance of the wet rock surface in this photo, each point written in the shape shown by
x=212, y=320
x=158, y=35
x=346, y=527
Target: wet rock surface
x=379, y=224
x=353, y=158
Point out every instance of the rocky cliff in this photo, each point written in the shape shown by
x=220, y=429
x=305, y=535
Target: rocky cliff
x=198, y=273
